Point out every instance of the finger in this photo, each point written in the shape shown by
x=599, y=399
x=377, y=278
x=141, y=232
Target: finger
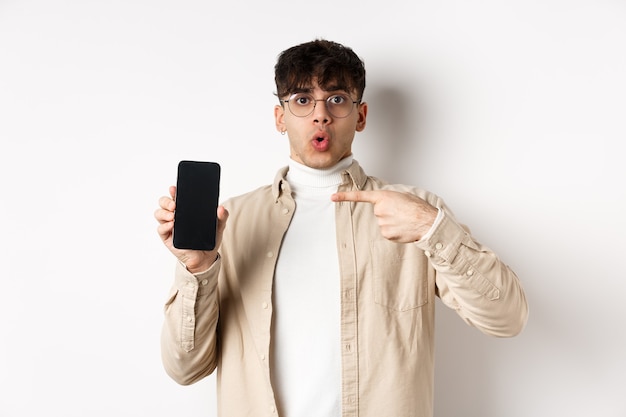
x=173, y=192
x=222, y=217
x=357, y=196
x=222, y=214
x=165, y=230
x=164, y=216
x=167, y=203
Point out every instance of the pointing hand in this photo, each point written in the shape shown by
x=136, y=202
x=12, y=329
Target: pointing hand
x=402, y=217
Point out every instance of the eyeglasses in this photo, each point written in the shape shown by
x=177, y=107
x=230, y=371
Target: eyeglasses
x=303, y=104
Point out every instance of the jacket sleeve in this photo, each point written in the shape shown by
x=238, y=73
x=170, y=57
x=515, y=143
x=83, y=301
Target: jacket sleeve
x=473, y=281
x=189, y=334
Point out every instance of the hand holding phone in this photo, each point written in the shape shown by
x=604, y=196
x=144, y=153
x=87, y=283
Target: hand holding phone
x=197, y=199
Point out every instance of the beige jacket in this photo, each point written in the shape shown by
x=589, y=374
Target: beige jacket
x=221, y=319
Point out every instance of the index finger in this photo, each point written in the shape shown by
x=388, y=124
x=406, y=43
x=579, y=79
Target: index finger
x=357, y=196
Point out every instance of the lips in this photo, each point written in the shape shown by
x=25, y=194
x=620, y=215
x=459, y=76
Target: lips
x=320, y=141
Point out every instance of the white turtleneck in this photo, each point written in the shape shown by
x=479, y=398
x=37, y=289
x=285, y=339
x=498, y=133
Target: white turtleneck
x=306, y=331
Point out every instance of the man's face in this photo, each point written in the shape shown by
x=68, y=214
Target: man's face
x=320, y=140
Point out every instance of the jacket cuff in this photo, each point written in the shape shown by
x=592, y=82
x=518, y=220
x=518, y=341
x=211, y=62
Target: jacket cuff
x=198, y=283
x=443, y=239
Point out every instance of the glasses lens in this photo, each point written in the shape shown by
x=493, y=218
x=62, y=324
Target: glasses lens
x=302, y=105
x=339, y=105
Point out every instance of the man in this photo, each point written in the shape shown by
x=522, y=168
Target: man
x=319, y=299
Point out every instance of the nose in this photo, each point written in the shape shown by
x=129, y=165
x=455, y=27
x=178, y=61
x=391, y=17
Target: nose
x=320, y=112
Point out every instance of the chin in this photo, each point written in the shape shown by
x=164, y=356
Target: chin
x=320, y=163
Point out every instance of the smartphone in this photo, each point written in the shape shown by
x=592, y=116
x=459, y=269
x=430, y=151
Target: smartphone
x=197, y=198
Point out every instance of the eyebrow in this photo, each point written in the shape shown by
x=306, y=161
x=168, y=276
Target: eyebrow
x=302, y=90
x=331, y=89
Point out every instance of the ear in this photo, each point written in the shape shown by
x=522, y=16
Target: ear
x=360, y=123
x=279, y=118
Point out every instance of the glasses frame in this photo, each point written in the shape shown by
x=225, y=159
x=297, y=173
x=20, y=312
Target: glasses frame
x=326, y=102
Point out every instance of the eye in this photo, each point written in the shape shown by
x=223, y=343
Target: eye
x=337, y=99
x=301, y=99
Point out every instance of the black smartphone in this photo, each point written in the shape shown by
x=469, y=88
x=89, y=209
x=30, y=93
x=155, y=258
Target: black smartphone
x=197, y=198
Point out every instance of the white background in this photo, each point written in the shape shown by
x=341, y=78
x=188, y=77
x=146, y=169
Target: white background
x=513, y=111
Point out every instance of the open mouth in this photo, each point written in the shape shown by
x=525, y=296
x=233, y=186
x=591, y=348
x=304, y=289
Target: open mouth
x=320, y=135
x=321, y=142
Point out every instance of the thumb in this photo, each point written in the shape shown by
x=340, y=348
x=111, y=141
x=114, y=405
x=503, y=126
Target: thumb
x=222, y=217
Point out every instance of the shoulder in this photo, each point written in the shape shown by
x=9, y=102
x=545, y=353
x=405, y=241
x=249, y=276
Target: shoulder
x=252, y=198
x=375, y=183
x=363, y=181
x=263, y=196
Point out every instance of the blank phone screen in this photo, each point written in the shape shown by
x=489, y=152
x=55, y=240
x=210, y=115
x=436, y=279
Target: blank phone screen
x=197, y=198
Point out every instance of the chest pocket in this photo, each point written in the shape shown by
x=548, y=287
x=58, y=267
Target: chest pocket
x=400, y=280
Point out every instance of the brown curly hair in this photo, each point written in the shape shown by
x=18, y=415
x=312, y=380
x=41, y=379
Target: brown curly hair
x=332, y=65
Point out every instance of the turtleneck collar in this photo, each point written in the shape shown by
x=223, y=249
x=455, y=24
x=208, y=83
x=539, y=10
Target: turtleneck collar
x=301, y=176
